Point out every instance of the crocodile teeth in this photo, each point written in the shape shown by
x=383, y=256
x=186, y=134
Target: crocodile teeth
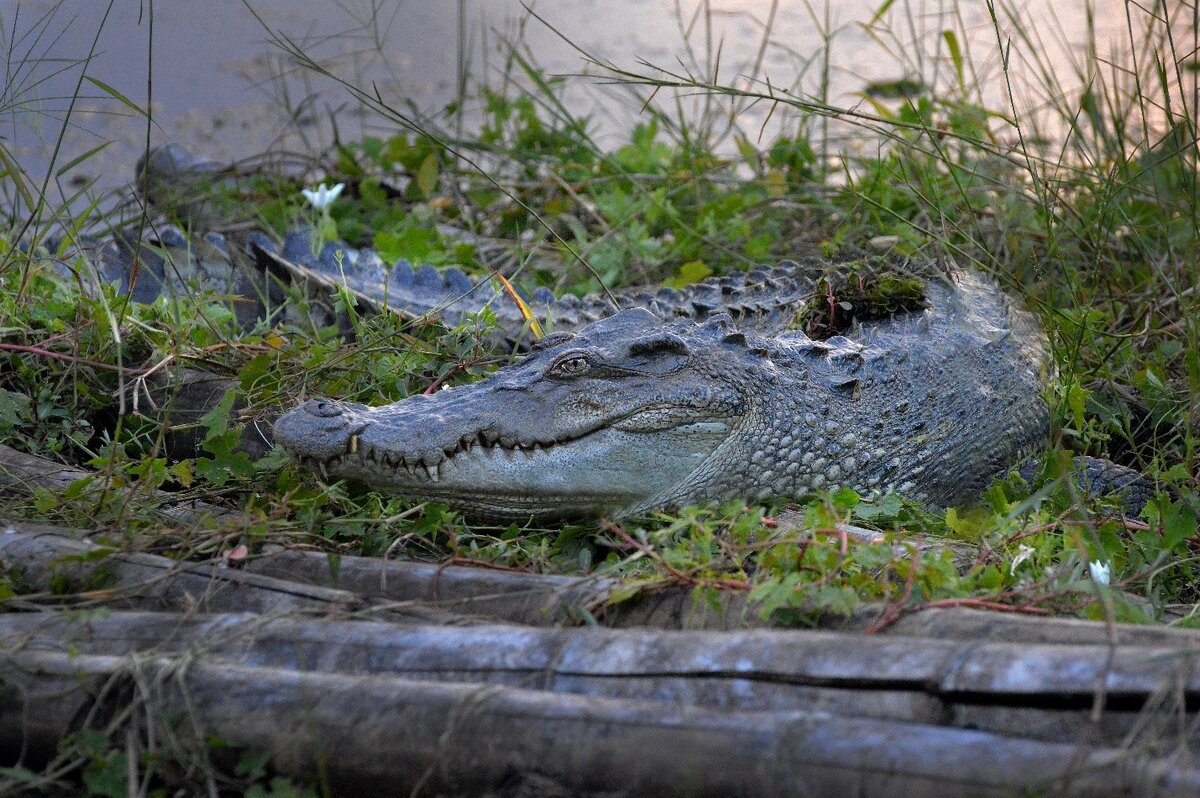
x=352, y=444
x=432, y=473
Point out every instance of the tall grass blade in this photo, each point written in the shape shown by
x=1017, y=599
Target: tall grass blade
x=116, y=95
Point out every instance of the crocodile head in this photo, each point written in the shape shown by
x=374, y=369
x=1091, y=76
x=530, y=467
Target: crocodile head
x=620, y=417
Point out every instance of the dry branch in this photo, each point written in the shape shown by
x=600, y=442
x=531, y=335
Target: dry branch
x=387, y=735
x=53, y=564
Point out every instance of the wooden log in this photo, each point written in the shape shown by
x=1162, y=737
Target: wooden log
x=463, y=595
x=374, y=735
x=510, y=596
x=525, y=598
x=51, y=563
x=1045, y=691
x=549, y=658
x=183, y=396
x=544, y=600
x=22, y=473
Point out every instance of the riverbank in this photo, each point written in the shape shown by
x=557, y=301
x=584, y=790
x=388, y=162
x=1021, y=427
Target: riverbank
x=1096, y=231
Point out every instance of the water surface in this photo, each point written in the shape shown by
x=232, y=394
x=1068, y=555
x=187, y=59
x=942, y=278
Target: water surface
x=213, y=79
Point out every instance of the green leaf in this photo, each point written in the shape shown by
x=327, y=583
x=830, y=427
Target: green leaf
x=77, y=488
x=88, y=741
x=1179, y=524
x=106, y=777
x=182, y=472
x=414, y=243
x=71, y=164
x=15, y=409
x=253, y=764
x=956, y=56
x=746, y=149
x=989, y=578
x=885, y=508
x=257, y=368
x=427, y=174
x=691, y=272
x=1076, y=399
x=844, y=499
x=17, y=176
x=397, y=148
x=116, y=95
x=43, y=500
x=879, y=12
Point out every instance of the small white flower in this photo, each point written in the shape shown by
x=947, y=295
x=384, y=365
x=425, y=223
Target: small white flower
x=1023, y=553
x=322, y=196
x=1100, y=571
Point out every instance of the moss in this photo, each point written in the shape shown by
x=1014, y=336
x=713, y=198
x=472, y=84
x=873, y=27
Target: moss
x=859, y=291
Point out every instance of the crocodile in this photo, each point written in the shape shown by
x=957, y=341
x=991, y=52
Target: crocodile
x=659, y=399
x=636, y=411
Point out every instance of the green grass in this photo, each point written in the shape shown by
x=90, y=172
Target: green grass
x=1083, y=201
x=1085, y=205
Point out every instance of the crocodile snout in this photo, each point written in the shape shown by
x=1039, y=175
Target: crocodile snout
x=323, y=408
x=319, y=428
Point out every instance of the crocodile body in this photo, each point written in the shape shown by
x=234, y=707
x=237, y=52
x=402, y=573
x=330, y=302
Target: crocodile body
x=656, y=399
x=635, y=411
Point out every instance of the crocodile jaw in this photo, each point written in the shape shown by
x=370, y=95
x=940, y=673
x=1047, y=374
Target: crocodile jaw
x=607, y=469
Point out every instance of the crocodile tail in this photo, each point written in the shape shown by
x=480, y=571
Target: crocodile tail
x=1096, y=477
x=763, y=299
x=417, y=291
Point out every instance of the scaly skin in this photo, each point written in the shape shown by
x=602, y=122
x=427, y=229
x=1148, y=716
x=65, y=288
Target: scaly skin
x=633, y=413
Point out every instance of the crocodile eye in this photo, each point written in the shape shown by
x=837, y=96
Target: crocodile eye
x=570, y=366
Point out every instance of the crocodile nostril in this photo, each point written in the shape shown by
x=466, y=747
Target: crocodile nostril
x=323, y=408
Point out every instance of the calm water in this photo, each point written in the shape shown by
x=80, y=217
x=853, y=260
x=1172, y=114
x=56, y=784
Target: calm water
x=220, y=86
